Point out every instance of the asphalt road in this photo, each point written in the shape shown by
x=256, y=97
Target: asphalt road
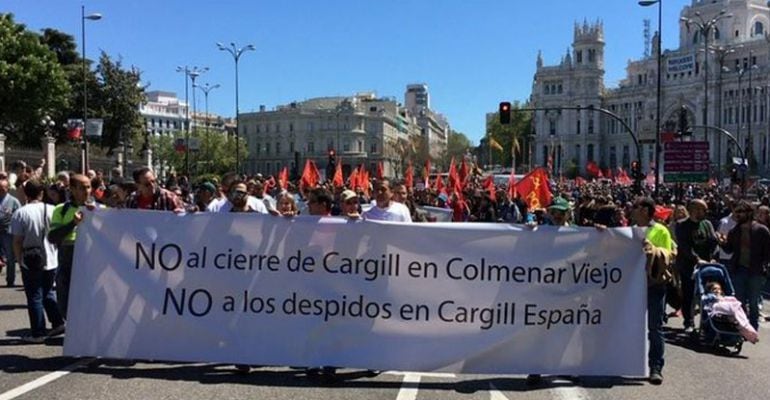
x=40, y=372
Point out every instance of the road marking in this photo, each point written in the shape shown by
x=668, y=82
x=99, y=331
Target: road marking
x=425, y=374
x=570, y=393
x=495, y=394
x=43, y=380
x=409, y=387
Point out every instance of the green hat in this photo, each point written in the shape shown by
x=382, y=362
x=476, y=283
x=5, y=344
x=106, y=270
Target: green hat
x=559, y=204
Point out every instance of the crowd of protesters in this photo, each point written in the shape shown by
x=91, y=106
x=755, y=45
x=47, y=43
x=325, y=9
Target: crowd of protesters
x=697, y=223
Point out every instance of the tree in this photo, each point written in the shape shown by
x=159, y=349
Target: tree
x=216, y=154
x=117, y=101
x=414, y=149
x=33, y=82
x=457, y=146
x=511, y=137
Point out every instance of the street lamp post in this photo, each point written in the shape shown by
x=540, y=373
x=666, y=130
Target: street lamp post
x=236, y=52
x=84, y=150
x=704, y=29
x=721, y=53
x=192, y=73
x=750, y=145
x=206, y=89
x=647, y=3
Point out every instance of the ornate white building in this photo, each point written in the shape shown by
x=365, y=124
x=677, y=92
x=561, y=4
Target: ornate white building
x=361, y=129
x=736, y=78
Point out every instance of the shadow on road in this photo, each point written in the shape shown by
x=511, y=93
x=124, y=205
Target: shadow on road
x=678, y=337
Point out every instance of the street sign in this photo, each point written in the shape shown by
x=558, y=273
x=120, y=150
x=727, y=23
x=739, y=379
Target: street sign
x=686, y=162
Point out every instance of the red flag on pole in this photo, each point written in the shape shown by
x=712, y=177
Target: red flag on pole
x=452, y=179
x=440, y=185
x=489, y=186
x=363, y=177
x=512, y=184
x=593, y=169
x=269, y=184
x=338, y=181
x=533, y=187
x=579, y=181
x=409, y=177
x=310, y=176
x=426, y=174
x=380, y=170
x=283, y=178
x=353, y=180
x=464, y=172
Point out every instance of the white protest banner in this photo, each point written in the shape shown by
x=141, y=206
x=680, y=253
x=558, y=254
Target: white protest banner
x=257, y=289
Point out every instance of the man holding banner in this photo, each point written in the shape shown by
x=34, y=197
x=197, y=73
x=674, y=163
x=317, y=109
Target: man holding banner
x=657, y=236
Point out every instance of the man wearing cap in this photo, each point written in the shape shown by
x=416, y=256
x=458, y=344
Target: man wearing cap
x=349, y=204
x=697, y=242
x=206, y=193
x=559, y=212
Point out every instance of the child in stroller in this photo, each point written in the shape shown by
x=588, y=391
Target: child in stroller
x=719, y=310
x=726, y=312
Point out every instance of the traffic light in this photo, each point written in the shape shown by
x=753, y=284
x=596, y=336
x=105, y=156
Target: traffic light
x=505, y=113
x=332, y=158
x=636, y=170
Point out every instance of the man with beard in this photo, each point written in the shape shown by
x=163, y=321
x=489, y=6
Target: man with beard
x=697, y=242
x=749, y=243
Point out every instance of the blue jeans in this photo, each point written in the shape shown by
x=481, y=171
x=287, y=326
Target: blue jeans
x=6, y=250
x=748, y=289
x=38, y=286
x=656, y=311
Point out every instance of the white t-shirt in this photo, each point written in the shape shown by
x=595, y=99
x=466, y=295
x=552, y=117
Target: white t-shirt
x=28, y=222
x=397, y=212
x=225, y=205
x=725, y=225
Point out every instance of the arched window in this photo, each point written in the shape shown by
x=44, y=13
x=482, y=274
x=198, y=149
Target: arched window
x=759, y=29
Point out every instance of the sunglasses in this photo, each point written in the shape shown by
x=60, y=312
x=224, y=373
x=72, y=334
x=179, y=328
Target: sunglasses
x=239, y=193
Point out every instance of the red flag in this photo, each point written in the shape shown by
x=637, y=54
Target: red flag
x=579, y=181
x=534, y=188
x=489, y=186
x=600, y=175
x=269, y=184
x=363, y=177
x=380, y=171
x=283, y=178
x=440, y=185
x=463, y=172
x=353, y=180
x=310, y=176
x=426, y=174
x=512, y=184
x=623, y=178
x=453, y=178
x=650, y=179
x=338, y=181
x=662, y=213
x=593, y=169
x=409, y=177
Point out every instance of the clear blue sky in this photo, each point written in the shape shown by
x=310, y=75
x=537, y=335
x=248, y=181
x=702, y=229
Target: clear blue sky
x=472, y=54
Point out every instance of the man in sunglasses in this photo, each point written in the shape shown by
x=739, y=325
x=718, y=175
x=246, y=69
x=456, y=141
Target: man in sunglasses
x=239, y=198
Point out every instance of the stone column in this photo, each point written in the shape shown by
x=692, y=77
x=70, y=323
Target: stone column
x=148, y=158
x=2, y=152
x=121, y=161
x=49, y=150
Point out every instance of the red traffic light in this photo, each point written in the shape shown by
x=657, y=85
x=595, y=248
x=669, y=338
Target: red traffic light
x=505, y=112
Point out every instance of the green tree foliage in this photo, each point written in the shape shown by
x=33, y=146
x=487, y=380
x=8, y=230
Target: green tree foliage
x=511, y=137
x=32, y=84
x=457, y=146
x=117, y=101
x=216, y=154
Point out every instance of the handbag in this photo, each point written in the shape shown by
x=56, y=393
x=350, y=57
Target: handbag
x=34, y=257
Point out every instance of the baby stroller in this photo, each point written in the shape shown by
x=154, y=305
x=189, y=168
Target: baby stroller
x=719, y=332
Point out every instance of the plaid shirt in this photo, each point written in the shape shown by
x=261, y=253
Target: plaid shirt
x=162, y=199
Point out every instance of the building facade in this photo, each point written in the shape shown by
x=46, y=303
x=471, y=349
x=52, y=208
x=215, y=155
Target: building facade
x=165, y=114
x=361, y=129
x=729, y=90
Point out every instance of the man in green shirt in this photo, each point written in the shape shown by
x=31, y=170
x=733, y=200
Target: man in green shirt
x=66, y=217
x=659, y=236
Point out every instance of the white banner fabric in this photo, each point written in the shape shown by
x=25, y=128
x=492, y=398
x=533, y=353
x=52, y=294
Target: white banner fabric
x=307, y=291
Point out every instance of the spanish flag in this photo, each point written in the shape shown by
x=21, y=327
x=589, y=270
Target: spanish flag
x=493, y=143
